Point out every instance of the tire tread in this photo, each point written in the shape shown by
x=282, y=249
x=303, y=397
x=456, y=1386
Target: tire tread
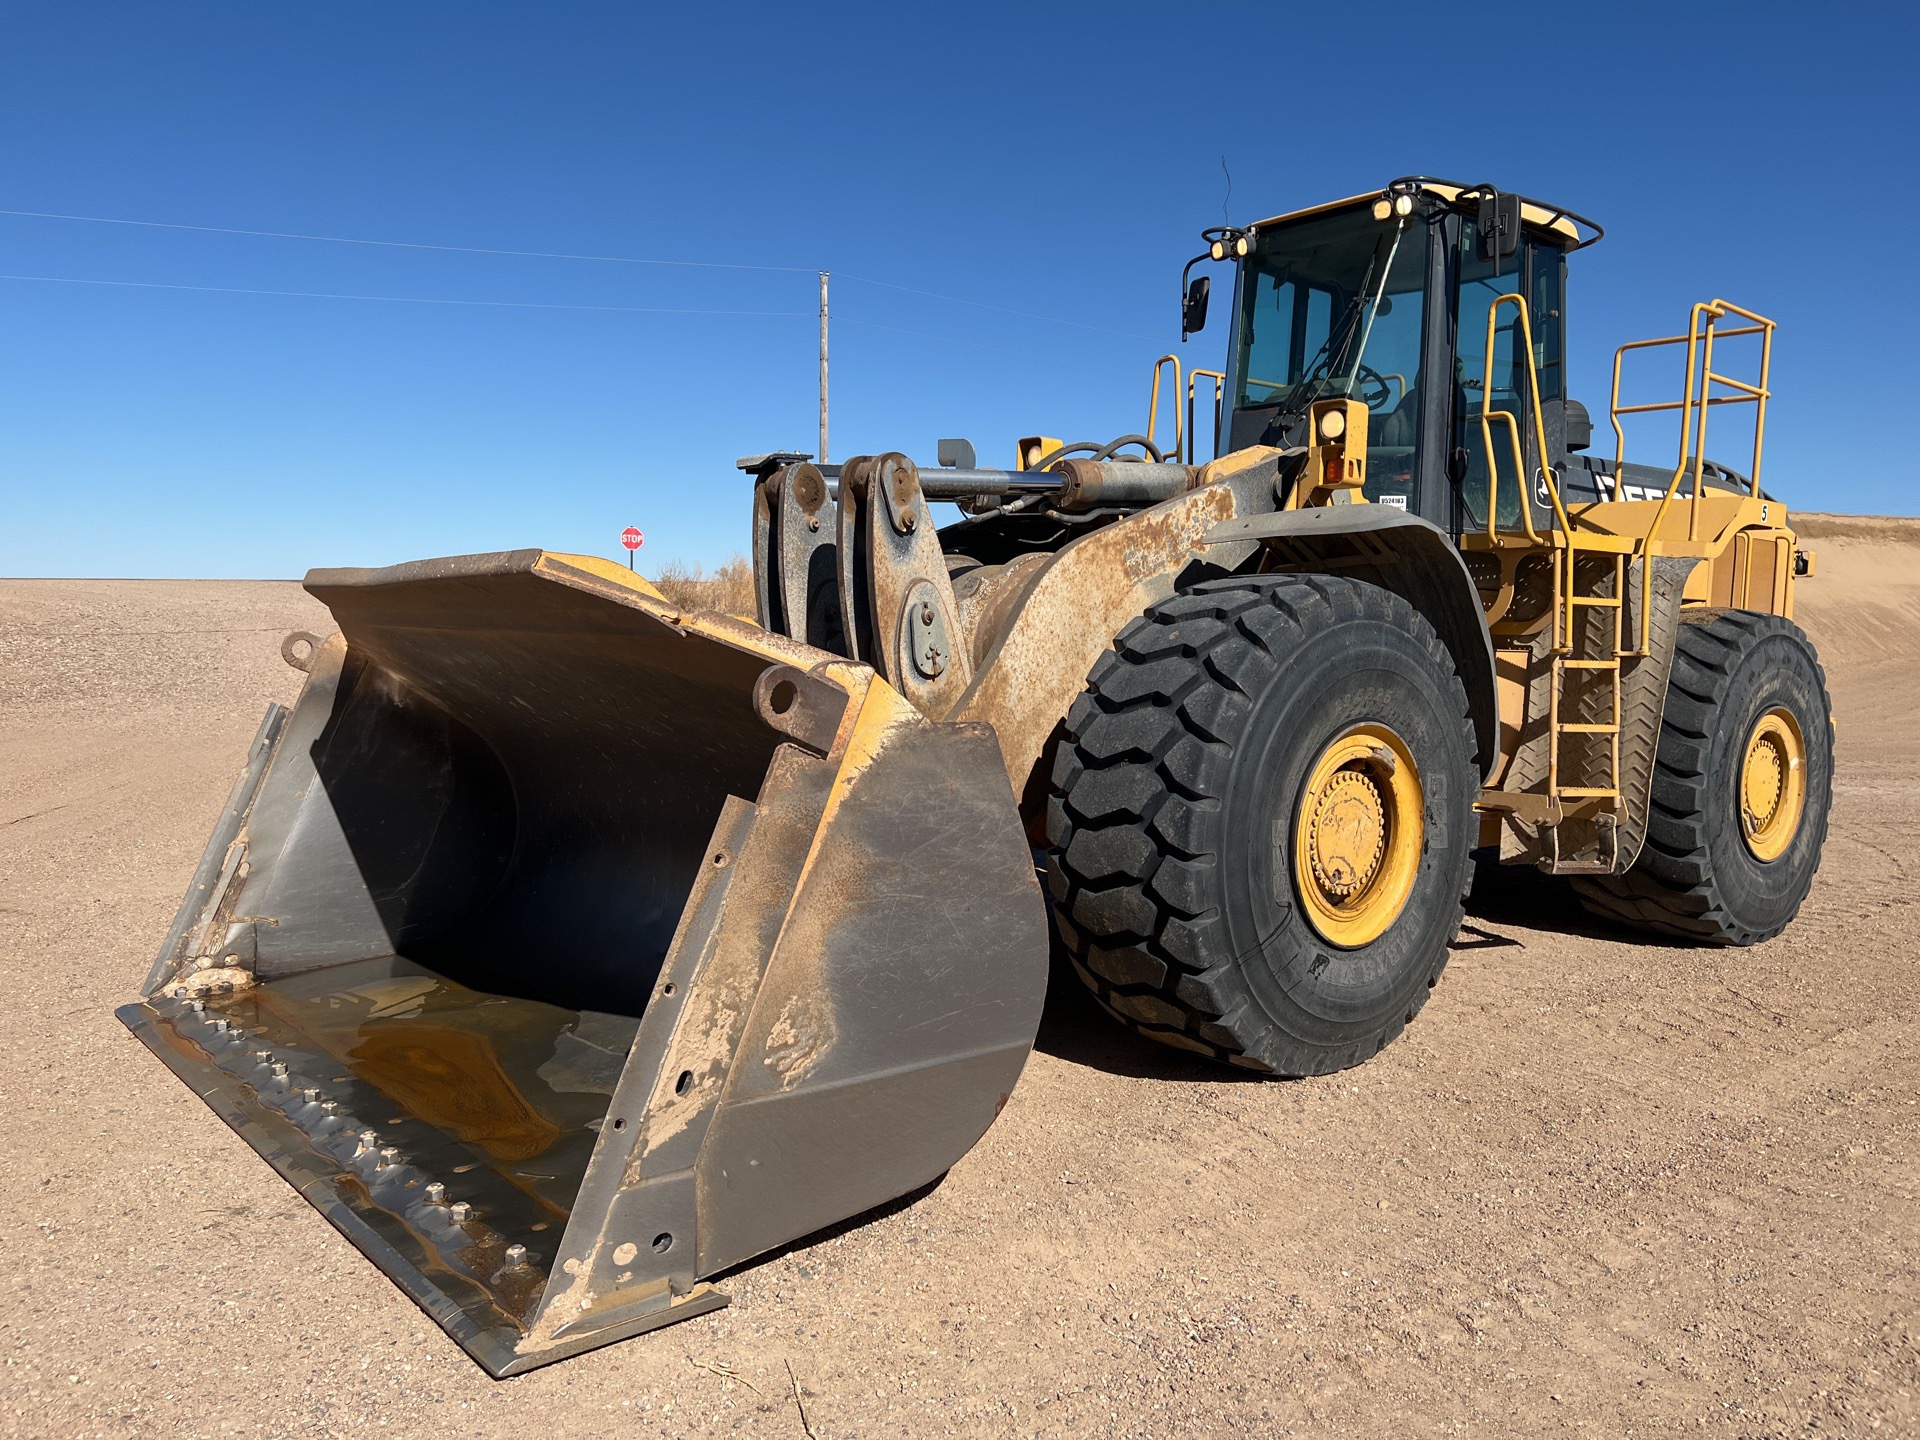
x=1671, y=889
x=1143, y=819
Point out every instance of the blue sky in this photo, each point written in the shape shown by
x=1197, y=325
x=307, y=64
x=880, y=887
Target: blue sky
x=1056, y=161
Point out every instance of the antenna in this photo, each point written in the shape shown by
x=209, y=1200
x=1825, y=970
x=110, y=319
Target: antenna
x=823, y=367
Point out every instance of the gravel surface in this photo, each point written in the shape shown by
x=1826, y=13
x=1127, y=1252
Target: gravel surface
x=1599, y=1185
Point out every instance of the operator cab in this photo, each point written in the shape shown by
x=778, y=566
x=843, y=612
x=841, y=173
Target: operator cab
x=1384, y=299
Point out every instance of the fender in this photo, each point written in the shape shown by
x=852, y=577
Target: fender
x=1087, y=593
x=1413, y=558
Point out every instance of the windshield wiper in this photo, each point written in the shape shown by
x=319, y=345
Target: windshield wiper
x=1373, y=310
x=1324, y=367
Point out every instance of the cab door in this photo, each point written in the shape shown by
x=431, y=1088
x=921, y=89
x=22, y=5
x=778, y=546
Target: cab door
x=1536, y=270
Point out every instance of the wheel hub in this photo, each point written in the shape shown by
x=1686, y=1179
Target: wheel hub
x=1764, y=781
x=1773, y=784
x=1358, y=835
x=1348, y=835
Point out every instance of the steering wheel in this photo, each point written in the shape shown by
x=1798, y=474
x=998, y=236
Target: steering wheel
x=1372, y=388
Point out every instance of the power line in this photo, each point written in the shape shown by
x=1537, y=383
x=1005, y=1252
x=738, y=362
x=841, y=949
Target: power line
x=409, y=244
x=514, y=305
x=983, y=305
x=566, y=255
x=408, y=299
x=929, y=335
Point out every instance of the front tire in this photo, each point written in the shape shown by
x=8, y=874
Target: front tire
x=1261, y=821
x=1742, y=784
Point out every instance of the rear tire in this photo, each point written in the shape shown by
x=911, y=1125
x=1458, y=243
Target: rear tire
x=1189, y=891
x=1717, y=866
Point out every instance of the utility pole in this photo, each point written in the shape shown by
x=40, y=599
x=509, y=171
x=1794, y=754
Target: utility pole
x=823, y=368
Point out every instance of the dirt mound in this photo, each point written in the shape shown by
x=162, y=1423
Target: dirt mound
x=1862, y=608
x=1880, y=529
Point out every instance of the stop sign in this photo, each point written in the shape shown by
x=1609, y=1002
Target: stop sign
x=631, y=538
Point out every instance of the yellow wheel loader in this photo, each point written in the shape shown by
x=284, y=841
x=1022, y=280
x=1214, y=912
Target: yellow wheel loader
x=568, y=948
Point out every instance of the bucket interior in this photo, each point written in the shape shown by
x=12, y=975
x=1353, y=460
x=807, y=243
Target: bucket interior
x=523, y=780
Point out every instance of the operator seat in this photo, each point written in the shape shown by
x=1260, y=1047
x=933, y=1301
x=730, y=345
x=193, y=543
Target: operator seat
x=1402, y=425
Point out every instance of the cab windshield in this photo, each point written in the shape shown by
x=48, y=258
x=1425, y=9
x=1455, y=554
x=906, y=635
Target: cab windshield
x=1332, y=307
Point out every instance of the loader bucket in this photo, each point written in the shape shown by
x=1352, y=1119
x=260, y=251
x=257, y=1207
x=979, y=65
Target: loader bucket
x=565, y=950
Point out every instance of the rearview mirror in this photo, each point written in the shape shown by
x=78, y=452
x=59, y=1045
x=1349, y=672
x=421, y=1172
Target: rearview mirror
x=1499, y=225
x=1193, y=309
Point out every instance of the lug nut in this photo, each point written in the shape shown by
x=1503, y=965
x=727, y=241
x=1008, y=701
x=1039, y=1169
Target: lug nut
x=460, y=1210
x=310, y=1094
x=279, y=1072
x=516, y=1254
x=390, y=1154
x=199, y=1007
x=436, y=1193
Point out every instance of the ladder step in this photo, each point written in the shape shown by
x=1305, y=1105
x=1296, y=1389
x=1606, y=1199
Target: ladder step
x=1582, y=867
x=1574, y=792
x=1527, y=804
x=1589, y=664
x=1609, y=602
x=1569, y=728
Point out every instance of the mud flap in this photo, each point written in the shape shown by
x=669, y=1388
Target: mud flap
x=565, y=950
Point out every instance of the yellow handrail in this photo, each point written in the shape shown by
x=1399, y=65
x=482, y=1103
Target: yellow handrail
x=1563, y=610
x=1696, y=396
x=1153, y=404
x=1488, y=414
x=1219, y=379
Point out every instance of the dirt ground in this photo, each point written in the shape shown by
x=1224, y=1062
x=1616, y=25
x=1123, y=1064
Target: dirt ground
x=1599, y=1185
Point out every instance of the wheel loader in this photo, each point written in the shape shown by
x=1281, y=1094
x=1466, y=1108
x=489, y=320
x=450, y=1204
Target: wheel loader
x=568, y=948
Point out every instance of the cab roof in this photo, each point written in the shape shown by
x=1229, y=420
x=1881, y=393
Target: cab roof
x=1565, y=223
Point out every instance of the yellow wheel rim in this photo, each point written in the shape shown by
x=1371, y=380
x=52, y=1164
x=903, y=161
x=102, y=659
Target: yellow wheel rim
x=1773, y=784
x=1358, y=835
